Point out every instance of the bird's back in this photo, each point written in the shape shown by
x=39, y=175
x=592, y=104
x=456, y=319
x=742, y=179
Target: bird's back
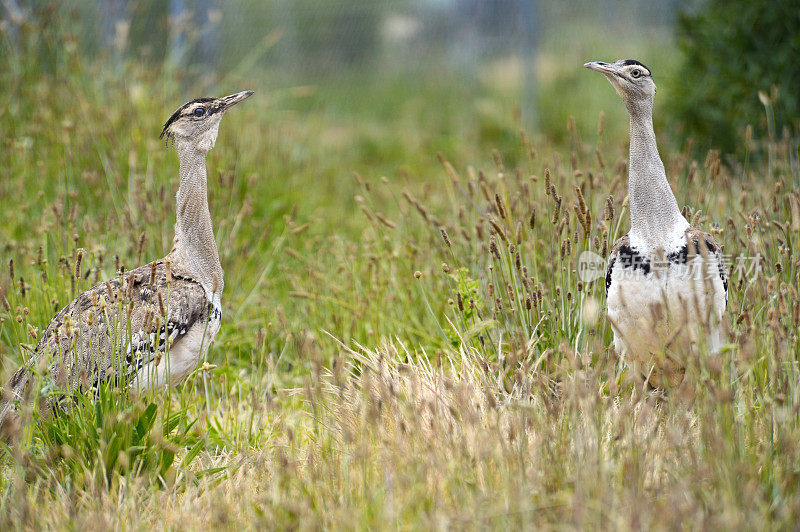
x=113, y=330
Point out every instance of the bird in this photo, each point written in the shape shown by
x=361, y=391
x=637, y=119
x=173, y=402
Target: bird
x=147, y=328
x=666, y=281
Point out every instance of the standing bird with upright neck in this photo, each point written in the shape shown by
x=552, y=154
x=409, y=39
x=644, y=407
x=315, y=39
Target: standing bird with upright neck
x=666, y=284
x=149, y=327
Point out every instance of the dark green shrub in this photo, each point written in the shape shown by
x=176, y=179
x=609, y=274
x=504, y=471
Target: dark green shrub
x=732, y=50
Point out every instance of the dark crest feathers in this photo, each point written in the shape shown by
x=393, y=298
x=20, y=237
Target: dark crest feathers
x=177, y=113
x=635, y=62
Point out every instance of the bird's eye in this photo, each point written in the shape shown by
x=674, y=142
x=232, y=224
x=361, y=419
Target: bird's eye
x=200, y=111
x=636, y=73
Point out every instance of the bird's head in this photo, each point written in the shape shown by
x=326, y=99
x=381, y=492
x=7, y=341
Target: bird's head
x=632, y=80
x=196, y=123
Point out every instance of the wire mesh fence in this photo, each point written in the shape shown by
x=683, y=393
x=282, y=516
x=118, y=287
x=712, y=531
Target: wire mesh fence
x=316, y=41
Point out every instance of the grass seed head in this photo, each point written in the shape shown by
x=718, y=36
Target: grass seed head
x=493, y=248
x=557, y=209
x=498, y=162
x=381, y=218
x=548, y=186
x=451, y=172
x=608, y=211
x=501, y=208
x=498, y=229
x=445, y=237
x=148, y=320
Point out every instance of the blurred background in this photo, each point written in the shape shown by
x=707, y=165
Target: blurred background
x=502, y=47
x=482, y=67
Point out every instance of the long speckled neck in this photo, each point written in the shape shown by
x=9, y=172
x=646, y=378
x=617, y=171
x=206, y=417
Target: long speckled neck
x=194, y=247
x=655, y=217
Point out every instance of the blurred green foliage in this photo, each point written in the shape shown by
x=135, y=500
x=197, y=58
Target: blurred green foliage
x=734, y=49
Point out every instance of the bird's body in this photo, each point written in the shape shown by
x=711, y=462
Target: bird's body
x=93, y=331
x=666, y=284
x=660, y=303
x=148, y=327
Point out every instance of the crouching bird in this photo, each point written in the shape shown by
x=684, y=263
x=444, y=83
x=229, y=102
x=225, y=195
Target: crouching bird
x=666, y=282
x=149, y=327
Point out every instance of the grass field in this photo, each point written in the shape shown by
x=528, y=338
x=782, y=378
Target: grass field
x=406, y=343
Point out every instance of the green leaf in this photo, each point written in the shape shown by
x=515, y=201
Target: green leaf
x=145, y=422
x=192, y=454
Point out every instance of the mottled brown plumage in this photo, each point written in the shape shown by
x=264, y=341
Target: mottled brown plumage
x=89, y=340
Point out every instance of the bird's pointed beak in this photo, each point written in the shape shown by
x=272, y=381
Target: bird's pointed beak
x=601, y=66
x=233, y=99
